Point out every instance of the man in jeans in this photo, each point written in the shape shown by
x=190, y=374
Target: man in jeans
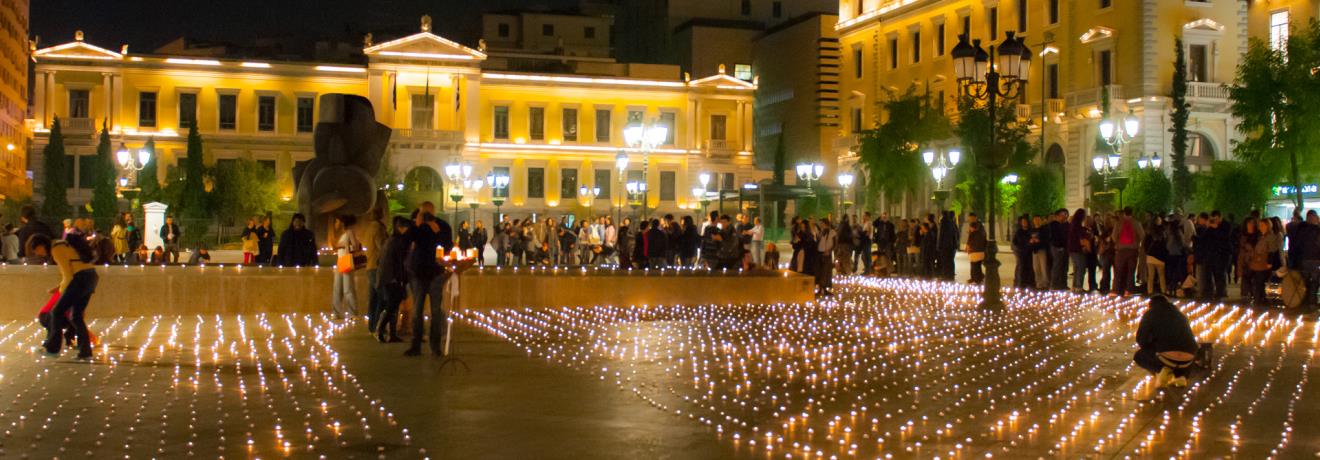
x=169, y=234
x=1059, y=250
x=1127, y=236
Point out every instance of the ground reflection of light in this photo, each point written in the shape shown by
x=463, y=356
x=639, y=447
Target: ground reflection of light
x=908, y=368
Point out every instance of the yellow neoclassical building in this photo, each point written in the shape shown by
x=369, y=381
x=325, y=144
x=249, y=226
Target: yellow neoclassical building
x=1081, y=49
x=549, y=132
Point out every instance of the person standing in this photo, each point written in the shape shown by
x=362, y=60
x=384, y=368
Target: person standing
x=710, y=247
x=688, y=242
x=947, y=246
x=1040, y=252
x=9, y=244
x=610, y=244
x=479, y=239
x=625, y=243
x=265, y=241
x=1156, y=247
x=499, y=243
x=758, y=242
x=976, y=245
x=464, y=236
x=297, y=244
x=1127, y=236
x=1023, y=276
x=373, y=234
x=78, y=281
x=1058, y=229
x=249, y=237
x=639, y=259
x=169, y=235
x=843, y=244
x=427, y=277
x=119, y=239
x=657, y=245
x=1213, y=249
x=31, y=225
x=346, y=247
x=1079, y=248
x=865, y=237
x=392, y=281
x=825, y=245
x=132, y=233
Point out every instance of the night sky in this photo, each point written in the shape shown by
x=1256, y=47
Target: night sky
x=146, y=24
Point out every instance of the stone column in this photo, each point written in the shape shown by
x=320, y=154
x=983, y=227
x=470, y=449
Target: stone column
x=106, y=83
x=40, y=103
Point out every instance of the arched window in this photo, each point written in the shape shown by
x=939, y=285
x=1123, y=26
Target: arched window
x=423, y=179
x=1200, y=151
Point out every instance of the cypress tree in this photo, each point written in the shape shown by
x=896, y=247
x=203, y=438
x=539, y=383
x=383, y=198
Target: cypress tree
x=104, y=203
x=1182, y=179
x=55, y=203
x=193, y=201
x=147, y=180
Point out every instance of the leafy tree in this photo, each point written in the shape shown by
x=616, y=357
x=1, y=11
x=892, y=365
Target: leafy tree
x=890, y=153
x=1182, y=178
x=193, y=201
x=245, y=188
x=1149, y=191
x=55, y=204
x=1040, y=190
x=147, y=177
x=1233, y=187
x=1277, y=100
x=105, y=205
x=974, y=130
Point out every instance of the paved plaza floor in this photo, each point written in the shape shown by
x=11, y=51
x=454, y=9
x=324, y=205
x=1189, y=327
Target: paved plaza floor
x=888, y=368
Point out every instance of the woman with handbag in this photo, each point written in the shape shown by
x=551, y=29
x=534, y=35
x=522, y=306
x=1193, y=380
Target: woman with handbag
x=349, y=252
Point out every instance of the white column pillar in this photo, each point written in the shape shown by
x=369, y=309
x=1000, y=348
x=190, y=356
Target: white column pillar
x=109, y=98
x=116, y=103
x=155, y=219
x=40, y=100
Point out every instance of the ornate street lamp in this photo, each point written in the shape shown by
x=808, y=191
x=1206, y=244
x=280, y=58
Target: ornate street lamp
x=636, y=194
x=846, y=181
x=645, y=138
x=621, y=163
x=458, y=174
x=1152, y=162
x=499, y=190
x=591, y=193
x=941, y=163
x=809, y=173
x=978, y=80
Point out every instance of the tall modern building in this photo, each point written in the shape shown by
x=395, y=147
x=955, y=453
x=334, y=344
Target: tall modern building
x=1082, y=49
x=797, y=97
x=543, y=108
x=14, y=135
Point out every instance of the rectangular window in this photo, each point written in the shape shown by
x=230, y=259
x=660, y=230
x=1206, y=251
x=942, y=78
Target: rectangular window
x=992, y=21
x=718, y=127
x=726, y=182
x=504, y=30
x=568, y=183
x=967, y=26
x=86, y=171
x=667, y=185
x=777, y=9
x=548, y=30
x=1106, y=3
x=570, y=125
x=893, y=53
x=742, y=72
x=857, y=62
x=1054, y=11
x=1197, y=58
x=856, y=120
x=668, y=120
x=916, y=46
x=1103, y=64
x=536, y=123
x=228, y=111
x=78, y=103
x=1279, y=30
x=602, y=180
x=602, y=125
x=535, y=182
x=939, y=39
x=589, y=32
x=1052, y=81
x=265, y=113
x=306, y=114
x=423, y=111
x=187, y=110
x=746, y=7
x=1022, y=16
x=147, y=110
x=501, y=124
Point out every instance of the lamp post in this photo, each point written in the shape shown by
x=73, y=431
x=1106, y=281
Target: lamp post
x=636, y=190
x=809, y=173
x=591, y=193
x=940, y=164
x=499, y=189
x=846, y=181
x=132, y=166
x=645, y=138
x=458, y=174
x=1151, y=162
x=978, y=80
x=621, y=162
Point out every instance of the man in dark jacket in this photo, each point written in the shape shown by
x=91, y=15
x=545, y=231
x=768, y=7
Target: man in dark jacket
x=426, y=276
x=1166, y=344
x=1212, y=257
x=31, y=226
x=976, y=244
x=170, y=236
x=1059, y=250
x=392, y=281
x=297, y=244
x=657, y=244
x=947, y=246
x=265, y=241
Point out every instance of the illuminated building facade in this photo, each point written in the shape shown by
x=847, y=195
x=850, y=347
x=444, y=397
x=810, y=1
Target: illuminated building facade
x=14, y=58
x=1082, y=49
x=549, y=132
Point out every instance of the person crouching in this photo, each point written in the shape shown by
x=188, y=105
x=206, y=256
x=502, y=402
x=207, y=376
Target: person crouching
x=1166, y=344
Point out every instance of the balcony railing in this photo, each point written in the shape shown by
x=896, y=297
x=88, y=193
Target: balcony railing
x=78, y=124
x=1054, y=107
x=847, y=141
x=1094, y=96
x=1023, y=111
x=718, y=144
x=438, y=135
x=1202, y=90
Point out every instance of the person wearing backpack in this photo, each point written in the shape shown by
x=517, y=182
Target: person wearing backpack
x=1127, y=236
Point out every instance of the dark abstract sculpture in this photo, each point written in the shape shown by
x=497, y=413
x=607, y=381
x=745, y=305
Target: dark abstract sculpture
x=349, y=145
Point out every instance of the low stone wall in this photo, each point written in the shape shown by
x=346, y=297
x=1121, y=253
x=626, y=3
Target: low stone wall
x=179, y=290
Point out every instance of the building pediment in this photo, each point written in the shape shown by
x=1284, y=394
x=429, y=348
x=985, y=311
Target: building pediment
x=423, y=46
x=1096, y=34
x=77, y=49
x=1204, y=25
x=721, y=81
